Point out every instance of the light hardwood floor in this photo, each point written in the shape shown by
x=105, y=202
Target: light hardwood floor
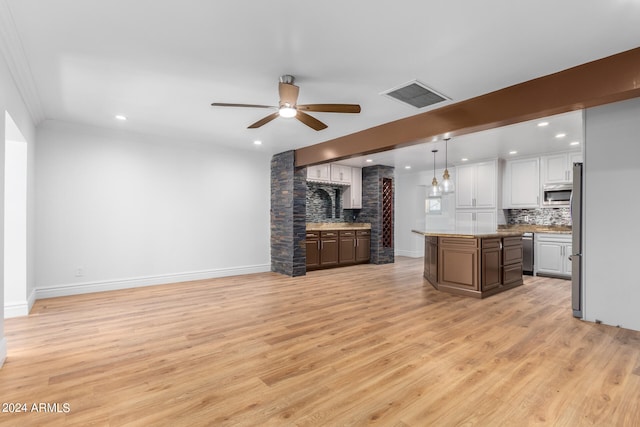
x=352, y=346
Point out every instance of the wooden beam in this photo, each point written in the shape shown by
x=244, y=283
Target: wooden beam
x=611, y=79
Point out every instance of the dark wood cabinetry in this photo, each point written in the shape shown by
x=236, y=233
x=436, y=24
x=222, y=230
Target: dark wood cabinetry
x=313, y=249
x=431, y=259
x=491, y=263
x=363, y=245
x=473, y=266
x=347, y=246
x=329, y=248
x=335, y=248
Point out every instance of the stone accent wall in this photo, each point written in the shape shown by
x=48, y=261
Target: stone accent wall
x=288, y=215
x=372, y=210
x=324, y=203
x=544, y=216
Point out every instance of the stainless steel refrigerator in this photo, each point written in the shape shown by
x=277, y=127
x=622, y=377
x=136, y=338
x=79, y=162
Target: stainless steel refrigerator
x=576, y=241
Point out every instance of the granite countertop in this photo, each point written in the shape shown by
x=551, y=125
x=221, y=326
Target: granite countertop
x=530, y=228
x=499, y=233
x=320, y=226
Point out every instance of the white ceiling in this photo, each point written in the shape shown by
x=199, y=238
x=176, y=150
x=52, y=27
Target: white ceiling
x=162, y=62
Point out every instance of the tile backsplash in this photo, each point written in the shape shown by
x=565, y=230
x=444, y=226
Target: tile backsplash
x=324, y=204
x=545, y=216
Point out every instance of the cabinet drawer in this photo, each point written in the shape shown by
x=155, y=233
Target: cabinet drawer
x=347, y=233
x=490, y=243
x=460, y=242
x=324, y=234
x=363, y=232
x=313, y=234
x=511, y=255
x=512, y=241
x=512, y=274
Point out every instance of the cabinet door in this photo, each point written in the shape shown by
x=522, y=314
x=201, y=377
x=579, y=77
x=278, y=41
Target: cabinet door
x=340, y=174
x=458, y=263
x=465, y=222
x=352, y=195
x=313, y=253
x=486, y=187
x=490, y=264
x=347, y=252
x=363, y=246
x=548, y=257
x=329, y=248
x=318, y=173
x=555, y=168
x=522, y=184
x=431, y=259
x=566, y=264
x=465, y=186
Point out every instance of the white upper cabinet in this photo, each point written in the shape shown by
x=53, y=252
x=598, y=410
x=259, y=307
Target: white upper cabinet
x=476, y=185
x=558, y=168
x=318, y=173
x=352, y=195
x=340, y=174
x=521, y=185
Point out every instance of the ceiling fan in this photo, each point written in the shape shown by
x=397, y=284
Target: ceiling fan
x=288, y=106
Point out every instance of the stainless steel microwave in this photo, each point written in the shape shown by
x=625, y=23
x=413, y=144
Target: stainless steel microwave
x=556, y=195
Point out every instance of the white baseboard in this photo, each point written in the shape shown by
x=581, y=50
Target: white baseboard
x=20, y=308
x=410, y=254
x=3, y=350
x=16, y=309
x=135, y=282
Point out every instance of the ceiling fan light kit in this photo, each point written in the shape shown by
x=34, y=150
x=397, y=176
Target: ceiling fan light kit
x=288, y=106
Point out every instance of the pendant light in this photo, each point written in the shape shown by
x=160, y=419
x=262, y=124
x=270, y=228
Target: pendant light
x=434, y=191
x=446, y=186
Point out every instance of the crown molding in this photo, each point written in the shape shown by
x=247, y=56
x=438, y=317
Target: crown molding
x=16, y=59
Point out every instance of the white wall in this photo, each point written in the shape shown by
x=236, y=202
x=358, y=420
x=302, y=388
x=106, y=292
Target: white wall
x=612, y=229
x=11, y=102
x=117, y=210
x=15, y=228
x=411, y=191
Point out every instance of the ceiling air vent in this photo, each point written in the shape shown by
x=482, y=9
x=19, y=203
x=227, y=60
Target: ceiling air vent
x=415, y=94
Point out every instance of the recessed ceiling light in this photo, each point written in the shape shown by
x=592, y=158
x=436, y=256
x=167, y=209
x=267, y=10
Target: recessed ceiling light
x=121, y=117
x=369, y=160
x=407, y=167
x=464, y=159
x=574, y=143
x=257, y=142
x=543, y=124
x=561, y=135
x=513, y=152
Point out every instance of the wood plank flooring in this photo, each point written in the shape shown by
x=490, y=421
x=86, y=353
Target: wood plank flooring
x=362, y=345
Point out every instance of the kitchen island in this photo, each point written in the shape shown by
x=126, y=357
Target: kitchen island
x=476, y=265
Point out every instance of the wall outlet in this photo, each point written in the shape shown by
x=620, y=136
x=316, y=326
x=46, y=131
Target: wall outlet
x=79, y=272
x=526, y=218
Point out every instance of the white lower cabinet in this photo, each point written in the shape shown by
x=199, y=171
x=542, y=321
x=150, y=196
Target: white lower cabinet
x=474, y=222
x=552, y=253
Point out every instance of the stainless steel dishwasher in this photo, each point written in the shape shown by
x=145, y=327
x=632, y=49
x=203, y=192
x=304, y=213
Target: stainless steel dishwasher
x=527, y=253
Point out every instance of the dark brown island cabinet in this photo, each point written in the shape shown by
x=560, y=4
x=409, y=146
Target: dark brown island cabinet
x=337, y=248
x=476, y=266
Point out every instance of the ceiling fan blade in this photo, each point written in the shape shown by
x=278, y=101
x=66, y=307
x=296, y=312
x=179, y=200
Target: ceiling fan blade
x=224, y=104
x=288, y=93
x=264, y=120
x=331, y=108
x=312, y=122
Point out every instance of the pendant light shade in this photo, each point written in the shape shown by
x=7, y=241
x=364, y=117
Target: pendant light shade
x=434, y=190
x=446, y=186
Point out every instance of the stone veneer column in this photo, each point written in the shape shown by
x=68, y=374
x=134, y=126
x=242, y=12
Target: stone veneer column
x=372, y=210
x=288, y=215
